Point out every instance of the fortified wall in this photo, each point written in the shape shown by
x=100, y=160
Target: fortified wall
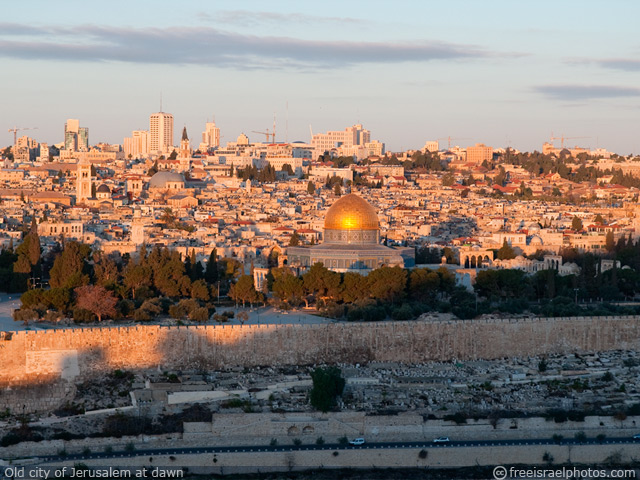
x=31, y=357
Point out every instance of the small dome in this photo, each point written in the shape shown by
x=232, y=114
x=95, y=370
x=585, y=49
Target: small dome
x=103, y=189
x=160, y=179
x=351, y=212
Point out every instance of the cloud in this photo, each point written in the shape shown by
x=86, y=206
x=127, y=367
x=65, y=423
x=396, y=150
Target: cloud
x=251, y=19
x=627, y=64
x=210, y=46
x=585, y=92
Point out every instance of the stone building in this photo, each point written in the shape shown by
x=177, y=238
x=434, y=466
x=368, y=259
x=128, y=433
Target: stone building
x=351, y=241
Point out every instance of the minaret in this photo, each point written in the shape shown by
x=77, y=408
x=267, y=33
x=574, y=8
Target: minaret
x=137, y=228
x=83, y=181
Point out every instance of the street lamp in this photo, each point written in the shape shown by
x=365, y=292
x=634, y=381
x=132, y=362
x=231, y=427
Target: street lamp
x=576, y=292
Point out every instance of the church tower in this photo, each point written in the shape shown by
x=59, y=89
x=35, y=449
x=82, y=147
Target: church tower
x=83, y=181
x=185, y=147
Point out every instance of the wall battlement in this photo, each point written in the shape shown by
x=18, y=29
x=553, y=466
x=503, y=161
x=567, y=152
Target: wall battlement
x=32, y=356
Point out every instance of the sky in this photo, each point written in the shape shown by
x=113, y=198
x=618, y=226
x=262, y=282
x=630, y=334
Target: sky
x=504, y=73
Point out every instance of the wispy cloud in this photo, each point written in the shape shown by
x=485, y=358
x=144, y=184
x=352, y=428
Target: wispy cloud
x=625, y=64
x=251, y=19
x=210, y=46
x=585, y=92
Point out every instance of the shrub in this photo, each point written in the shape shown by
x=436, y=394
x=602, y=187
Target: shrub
x=273, y=442
x=580, y=436
x=343, y=441
x=297, y=442
x=200, y=314
x=319, y=441
x=25, y=315
x=80, y=315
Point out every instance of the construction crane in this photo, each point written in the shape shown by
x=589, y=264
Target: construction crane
x=267, y=133
x=448, y=139
x=15, y=131
x=563, y=138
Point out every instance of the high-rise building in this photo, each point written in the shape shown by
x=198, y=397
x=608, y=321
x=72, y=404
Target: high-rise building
x=160, y=132
x=83, y=139
x=76, y=138
x=353, y=136
x=479, y=154
x=211, y=135
x=137, y=145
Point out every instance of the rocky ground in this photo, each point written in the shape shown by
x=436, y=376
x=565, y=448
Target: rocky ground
x=604, y=383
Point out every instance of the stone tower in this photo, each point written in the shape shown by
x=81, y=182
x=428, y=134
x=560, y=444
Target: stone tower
x=83, y=182
x=137, y=228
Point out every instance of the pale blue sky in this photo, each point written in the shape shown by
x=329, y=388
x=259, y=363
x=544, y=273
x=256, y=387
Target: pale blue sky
x=498, y=72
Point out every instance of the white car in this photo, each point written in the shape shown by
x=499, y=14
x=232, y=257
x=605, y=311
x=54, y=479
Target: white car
x=357, y=441
x=441, y=440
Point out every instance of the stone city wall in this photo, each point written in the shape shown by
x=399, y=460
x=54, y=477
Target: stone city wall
x=50, y=355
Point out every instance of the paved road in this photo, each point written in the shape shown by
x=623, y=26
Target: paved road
x=380, y=445
x=8, y=303
x=271, y=315
x=263, y=315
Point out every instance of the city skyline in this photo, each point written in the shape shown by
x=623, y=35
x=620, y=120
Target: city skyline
x=502, y=74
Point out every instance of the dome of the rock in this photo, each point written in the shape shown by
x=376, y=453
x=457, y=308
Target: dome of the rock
x=351, y=212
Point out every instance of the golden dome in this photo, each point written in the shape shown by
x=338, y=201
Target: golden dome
x=351, y=212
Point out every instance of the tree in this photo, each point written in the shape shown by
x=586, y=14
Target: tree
x=173, y=155
x=287, y=168
x=328, y=384
x=576, y=224
x=311, y=188
x=153, y=170
x=211, y=271
x=609, y=243
x=97, y=299
x=423, y=284
x=337, y=190
x=448, y=179
x=70, y=268
x=294, y=241
x=287, y=287
x=137, y=275
x=599, y=220
x=28, y=262
x=244, y=291
x=506, y=252
x=387, y=283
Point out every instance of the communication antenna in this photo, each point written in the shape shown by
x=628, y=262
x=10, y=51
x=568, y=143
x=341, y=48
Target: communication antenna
x=160, y=100
x=286, y=134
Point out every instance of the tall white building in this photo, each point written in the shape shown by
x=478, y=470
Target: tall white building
x=160, y=132
x=76, y=138
x=353, y=136
x=137, y=145
x=210, y=136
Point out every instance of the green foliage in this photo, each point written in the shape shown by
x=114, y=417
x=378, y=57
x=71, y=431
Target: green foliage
x=576, y=223
x=294, y=241
x=506, y=252
x=244, y=291
x=327, y=385
x=70, y=268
